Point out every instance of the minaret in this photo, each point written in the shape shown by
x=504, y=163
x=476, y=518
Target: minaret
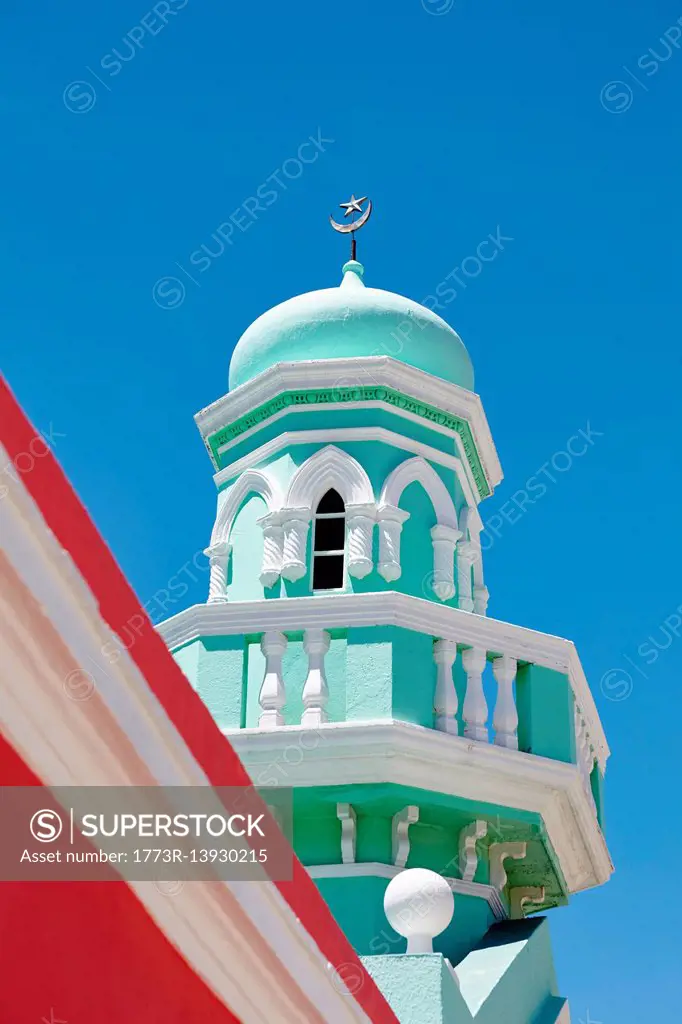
x=346, y=649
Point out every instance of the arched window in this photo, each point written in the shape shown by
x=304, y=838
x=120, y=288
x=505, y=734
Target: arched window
x=328, y=542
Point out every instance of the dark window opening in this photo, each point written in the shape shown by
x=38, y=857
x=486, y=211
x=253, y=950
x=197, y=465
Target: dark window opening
x=329, y=542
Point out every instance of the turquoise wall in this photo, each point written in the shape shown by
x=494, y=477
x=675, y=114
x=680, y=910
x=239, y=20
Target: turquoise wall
x=216, y=668
x=544, y=700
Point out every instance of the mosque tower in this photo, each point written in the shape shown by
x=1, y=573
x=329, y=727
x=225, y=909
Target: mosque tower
x=346, y=650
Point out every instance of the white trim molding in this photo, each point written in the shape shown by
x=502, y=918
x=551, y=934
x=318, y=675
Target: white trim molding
x=329, y=467
x=390, y=608
x=389, y=751
x=381, y=370
x=375, y=869
x=340, y=435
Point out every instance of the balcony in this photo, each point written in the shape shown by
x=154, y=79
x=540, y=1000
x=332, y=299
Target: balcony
x=357, y=688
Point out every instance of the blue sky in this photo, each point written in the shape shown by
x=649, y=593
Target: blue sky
x=557, y=128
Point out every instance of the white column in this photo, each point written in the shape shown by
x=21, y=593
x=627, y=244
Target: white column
x=315, y=692
x=272, y=697
x=295, y=523
x=481, y=597
x=475, y=710
x=218, y=559
x=505, y=717
x=360, y=521
x=391, y=521
x=444, y=539
x=273, y=548
x=445, y=700
x=465, y=559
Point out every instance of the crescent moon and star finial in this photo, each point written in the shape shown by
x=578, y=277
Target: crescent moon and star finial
x=352, y=207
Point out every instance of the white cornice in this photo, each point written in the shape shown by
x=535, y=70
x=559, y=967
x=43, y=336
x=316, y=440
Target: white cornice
x=379, y=370
x=356, y=753
x=339, y=435
x=390, y=608
x=374, y=869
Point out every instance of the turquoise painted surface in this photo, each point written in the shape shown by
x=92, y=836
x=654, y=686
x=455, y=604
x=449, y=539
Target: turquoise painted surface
x=510, y=976
x=351, y=320
x=329, y=419
x=419, y=989
x=544, y=700
x=215, y=667
x=508, y=979
x=378, y=460
x=247, y=552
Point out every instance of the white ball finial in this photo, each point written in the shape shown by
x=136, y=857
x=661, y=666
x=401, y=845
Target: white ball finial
x=419, y=905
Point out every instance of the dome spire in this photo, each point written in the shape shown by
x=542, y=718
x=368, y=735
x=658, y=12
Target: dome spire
x=352, y=207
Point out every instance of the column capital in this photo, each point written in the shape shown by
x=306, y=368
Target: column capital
x=391, y=514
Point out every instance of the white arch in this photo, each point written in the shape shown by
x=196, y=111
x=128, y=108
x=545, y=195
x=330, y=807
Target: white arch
x=253, y=480
x=419, y=470
x=329, y=467
x=466, y=524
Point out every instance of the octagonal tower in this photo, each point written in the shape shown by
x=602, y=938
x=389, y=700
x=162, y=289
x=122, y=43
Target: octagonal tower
x=346, y=649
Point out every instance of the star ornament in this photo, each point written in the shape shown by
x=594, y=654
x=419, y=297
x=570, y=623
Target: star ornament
x=353, y=205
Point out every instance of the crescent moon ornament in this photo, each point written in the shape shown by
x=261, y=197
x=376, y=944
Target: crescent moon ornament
x=352, y=207
x=354, y=225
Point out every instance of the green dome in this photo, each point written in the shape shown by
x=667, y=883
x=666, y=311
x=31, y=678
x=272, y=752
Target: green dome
x=351, y=320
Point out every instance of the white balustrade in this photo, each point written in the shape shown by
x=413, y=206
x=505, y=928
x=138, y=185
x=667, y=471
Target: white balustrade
x=360, y=521
x=296, y=522
x=445, y=700
x=315, y=691
x=273, y=548
x=505, y=716
x=218, y=559
x=444, y=539
x=272, y=697
x=475, y=710
x=390, y=519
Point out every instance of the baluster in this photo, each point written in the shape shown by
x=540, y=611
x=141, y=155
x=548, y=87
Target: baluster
x=391, y=521
x=475, y=711
x=272, y=697
x=296, y=523
x=445, y=700
x=315, y=691
x=584, y=754
x=218, y=559
x=360, y=521
x=505, y=717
